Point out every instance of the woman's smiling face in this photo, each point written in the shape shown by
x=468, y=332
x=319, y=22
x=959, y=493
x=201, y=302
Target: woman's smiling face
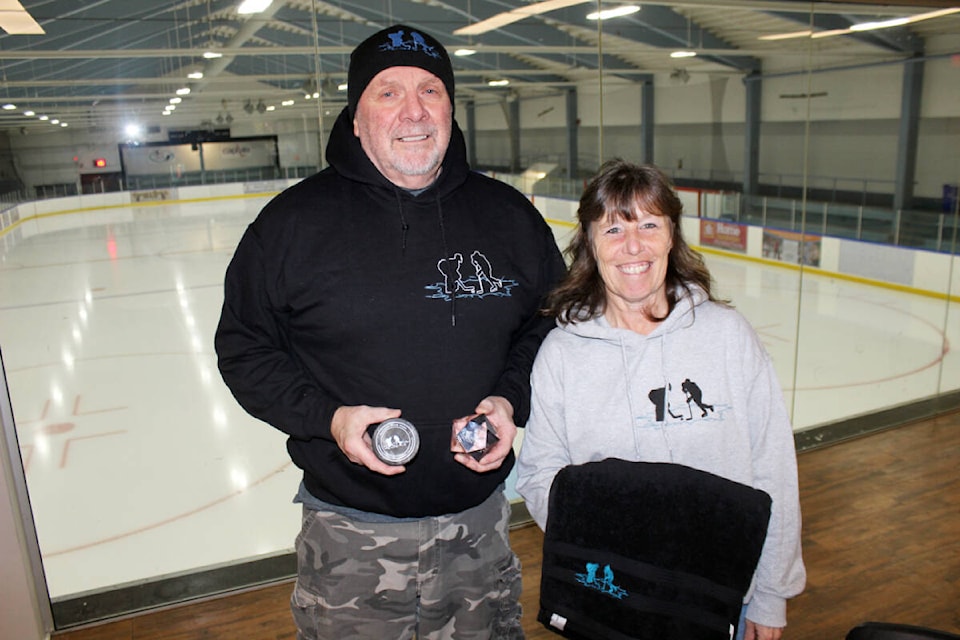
x=632, y=257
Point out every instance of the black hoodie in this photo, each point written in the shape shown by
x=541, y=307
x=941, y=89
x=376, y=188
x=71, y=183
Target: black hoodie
x=348, y=290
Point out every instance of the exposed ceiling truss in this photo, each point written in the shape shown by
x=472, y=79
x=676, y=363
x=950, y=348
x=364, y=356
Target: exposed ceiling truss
x=101, y=62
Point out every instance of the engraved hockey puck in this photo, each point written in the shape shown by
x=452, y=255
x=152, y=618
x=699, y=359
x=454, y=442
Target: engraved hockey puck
x=396, y=441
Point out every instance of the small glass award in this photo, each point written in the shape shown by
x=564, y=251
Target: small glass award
x=476, y=437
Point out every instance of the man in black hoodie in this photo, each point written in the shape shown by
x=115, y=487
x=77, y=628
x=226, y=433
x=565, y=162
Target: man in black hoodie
x=349, y=302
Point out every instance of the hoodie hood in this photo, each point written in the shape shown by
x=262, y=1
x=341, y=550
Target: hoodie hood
x=345, y=154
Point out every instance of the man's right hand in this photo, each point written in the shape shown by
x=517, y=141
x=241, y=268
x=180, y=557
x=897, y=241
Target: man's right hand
x=349, y=430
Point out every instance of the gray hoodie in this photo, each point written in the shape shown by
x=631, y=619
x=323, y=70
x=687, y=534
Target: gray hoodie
x=700, y=390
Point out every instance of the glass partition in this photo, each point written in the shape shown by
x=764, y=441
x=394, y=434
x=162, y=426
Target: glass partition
x=819, y=178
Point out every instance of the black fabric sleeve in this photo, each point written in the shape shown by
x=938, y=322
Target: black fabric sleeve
x=252, y=353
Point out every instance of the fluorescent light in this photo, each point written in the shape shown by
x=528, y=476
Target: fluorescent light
x=341, y=87
x=176, y=100
x=616, y=12
x=464, y=52
x=195, y=75
x=830, y=33
x=882, y=24
x=253, y=6
x=210, y=55
x=29, y=112
x=864, y=26
x=787, y=36
x=515, y=15
x=497, y=83
x=683, y=54
x=15, y=20
x=9, y=107
x=42, y=117
x=183, y=91
x=286, y=103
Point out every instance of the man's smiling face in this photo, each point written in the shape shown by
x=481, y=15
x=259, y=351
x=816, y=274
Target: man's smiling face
x=404, y=118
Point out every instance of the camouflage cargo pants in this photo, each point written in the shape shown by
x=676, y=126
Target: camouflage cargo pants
x=446, y=578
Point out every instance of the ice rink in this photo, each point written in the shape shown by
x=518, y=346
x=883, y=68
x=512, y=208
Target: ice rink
x=140, y=464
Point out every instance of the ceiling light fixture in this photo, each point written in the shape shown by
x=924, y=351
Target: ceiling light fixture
x=863, y=26
x=806, y=33
x=683, y=54
x=830, y=33
x=515, y=15
x=879, y=24
x=617, y=12
x=497, y=83
x=195, y=75
x=9, y=106
x=15, y=20
x=212, y=55
x=253, y=6
x=464, y=52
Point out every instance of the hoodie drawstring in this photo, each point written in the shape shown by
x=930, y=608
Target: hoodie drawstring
x=404, y=227
x=666, y=393
x=403, y=223
x=443, y=241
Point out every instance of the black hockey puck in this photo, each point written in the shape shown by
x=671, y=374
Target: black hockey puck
x=396, y=441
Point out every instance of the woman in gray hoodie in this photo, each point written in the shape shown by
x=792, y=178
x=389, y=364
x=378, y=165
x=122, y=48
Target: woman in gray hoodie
x=646, y=365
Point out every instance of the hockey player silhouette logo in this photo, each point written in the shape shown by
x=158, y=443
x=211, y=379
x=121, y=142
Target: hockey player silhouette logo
x=481, y=283
x=415, y=43
x=693, y=395
x=605, y=584
x=452, y=279
x=486, y=281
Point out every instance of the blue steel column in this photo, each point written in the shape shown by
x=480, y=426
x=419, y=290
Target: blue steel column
x=646, y=119
x=514, y=124
x=471, y=135
x=751, y=138
x=907, y=141
x=573, y=130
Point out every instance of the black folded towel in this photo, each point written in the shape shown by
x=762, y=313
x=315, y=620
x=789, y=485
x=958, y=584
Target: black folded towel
x=648, y=550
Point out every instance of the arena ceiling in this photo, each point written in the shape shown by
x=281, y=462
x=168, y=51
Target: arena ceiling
x=98, y=63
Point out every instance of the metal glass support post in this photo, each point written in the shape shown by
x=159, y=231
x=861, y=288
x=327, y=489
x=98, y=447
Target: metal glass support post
x=906, y=168
x=647, y=122
x=471, y=111
x=573, y=131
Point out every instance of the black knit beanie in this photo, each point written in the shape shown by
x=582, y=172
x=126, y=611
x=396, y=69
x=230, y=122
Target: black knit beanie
x=396, y=46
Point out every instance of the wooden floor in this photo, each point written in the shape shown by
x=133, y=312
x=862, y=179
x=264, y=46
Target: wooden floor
x=881, y=541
